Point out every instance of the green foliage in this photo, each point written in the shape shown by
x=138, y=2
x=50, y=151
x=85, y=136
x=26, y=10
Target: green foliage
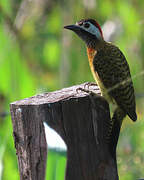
x=52, y=59
x=56, y=165
x=42, y=56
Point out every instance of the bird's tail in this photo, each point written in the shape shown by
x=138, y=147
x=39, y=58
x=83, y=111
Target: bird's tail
x=117, y=119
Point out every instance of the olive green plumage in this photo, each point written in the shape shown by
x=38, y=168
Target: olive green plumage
x=113, y=70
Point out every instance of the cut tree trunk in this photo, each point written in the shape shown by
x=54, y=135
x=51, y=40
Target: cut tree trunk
x=81, y=119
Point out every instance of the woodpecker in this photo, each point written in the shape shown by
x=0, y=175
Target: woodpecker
x=110, y=71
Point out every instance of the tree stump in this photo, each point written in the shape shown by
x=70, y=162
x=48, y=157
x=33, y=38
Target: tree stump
x=80, y=118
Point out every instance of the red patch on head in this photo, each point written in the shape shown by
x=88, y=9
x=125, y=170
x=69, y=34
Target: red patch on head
x=98, y=26
x=95, y=23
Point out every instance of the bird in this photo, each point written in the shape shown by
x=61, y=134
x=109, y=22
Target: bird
x=110, y=71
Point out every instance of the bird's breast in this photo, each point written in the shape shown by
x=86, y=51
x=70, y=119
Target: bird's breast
x=91, y=54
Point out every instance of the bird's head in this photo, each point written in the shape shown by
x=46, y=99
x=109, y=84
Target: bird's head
x=88, y=30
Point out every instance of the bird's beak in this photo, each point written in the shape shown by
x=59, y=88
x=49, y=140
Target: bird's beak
x=79, y=31
x=73, y=27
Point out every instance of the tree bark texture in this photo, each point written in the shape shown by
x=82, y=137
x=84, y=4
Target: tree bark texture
x=81, y=119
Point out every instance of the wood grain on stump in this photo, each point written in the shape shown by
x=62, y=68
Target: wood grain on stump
x=81, y=119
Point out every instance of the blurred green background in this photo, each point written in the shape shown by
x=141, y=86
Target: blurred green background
x=37, y=55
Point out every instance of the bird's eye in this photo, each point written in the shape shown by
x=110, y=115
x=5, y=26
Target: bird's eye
x=86, y=25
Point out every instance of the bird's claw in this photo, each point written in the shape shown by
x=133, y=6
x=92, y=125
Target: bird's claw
x=90, y=92
x=83, y=89
x=88, y=84
x=86, y=87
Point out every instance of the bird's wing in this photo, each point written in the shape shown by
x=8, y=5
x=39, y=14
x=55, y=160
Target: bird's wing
x=113, y=70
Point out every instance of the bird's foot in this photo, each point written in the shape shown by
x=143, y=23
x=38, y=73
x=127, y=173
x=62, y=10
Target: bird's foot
x=88, y=84
x=90, y=92
x=84, y=90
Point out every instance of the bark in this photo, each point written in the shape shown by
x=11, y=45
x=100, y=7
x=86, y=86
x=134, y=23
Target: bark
x=81, y=119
